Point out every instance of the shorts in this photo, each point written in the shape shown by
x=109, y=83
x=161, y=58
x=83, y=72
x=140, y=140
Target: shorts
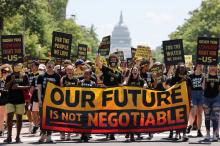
x=212, y=102
x=35, y=107
x=197, y=97
x=15, y=108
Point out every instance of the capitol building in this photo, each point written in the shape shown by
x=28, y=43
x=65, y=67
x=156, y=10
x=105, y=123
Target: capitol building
x=120, y=39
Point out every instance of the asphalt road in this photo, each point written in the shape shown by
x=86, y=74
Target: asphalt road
x=99, y=139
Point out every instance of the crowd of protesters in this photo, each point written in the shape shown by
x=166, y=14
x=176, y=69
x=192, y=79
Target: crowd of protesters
x=22, y=92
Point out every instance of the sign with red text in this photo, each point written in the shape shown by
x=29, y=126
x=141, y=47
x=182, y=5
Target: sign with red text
x=12, y=49
x=207, y=51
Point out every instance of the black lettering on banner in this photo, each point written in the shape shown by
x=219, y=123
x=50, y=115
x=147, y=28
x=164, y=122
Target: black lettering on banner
x=104, y=47
x=152, y=99
x=69, y=101
x=85, y=99
x=82, y=51
x=120, y=103
x=176, y=94
x=163, y=97
x=105, y=97
x=134, y=95
x=173, y=52
x=12, y=49
x=54, y=99
x=207, y=51
x=61, y=45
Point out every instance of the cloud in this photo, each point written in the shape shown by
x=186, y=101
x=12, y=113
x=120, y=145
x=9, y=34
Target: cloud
x=158, y=18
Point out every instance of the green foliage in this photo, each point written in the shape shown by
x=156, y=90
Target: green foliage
x=158, y=54
x=203, y=22
x=37, y=19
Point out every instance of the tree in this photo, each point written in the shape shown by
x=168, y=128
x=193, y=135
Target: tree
x=36, y=20
x=203, y=22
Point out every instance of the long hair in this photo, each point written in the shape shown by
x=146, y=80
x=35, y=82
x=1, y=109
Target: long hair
x=178, y=69
x=130, y=77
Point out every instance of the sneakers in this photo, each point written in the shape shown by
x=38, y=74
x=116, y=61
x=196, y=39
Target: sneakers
x=48, y=139
x=150, y=136
x=199, y=133
x=112, y=137
x=188, y=129
x=8, y=140
x=68, y=137
x=43, y=137
x=62, y=136
x=185, y=138
x=34, y=130
x=207, y=137
x=215, y=138
x=17, y=140
x=30, y=128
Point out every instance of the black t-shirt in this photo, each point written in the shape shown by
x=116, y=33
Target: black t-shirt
x=196, y=81
x=136, y=82
x=110, y=77
x=44, y=78
x=148, y=78
x=69, y=82
x=16, y=96
x=211, y=86
x=84, y=83
x=159, y=85
x=34, y=84
x=176, y=79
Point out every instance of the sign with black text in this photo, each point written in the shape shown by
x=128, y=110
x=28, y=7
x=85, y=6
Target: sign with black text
x=82, y=51
x=61, y=45
x=12, y=49
x=133, y=51
x=105, y=45
x=207, y=51
x=173, y=52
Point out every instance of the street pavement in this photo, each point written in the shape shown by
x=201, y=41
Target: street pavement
x=99, y=139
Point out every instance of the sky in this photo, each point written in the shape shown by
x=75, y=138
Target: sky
x=149, y=21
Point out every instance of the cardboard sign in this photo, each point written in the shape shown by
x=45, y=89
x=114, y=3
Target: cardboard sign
x=173, y=52
x=61, y=45
x=188, y=61
x=120, y=55
x=105, y=45
x=82, y=51
x=207, y=51
x=12, y=49
x=115, y=109
x=133, y=51
x=143, y=52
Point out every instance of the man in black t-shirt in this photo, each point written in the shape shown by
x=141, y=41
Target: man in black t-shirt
x=16, y=83
x=49, y=76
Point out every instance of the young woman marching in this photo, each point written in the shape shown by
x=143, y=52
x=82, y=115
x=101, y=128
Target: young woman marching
x=197, y=79
x=211, y=102
x=134, y=79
